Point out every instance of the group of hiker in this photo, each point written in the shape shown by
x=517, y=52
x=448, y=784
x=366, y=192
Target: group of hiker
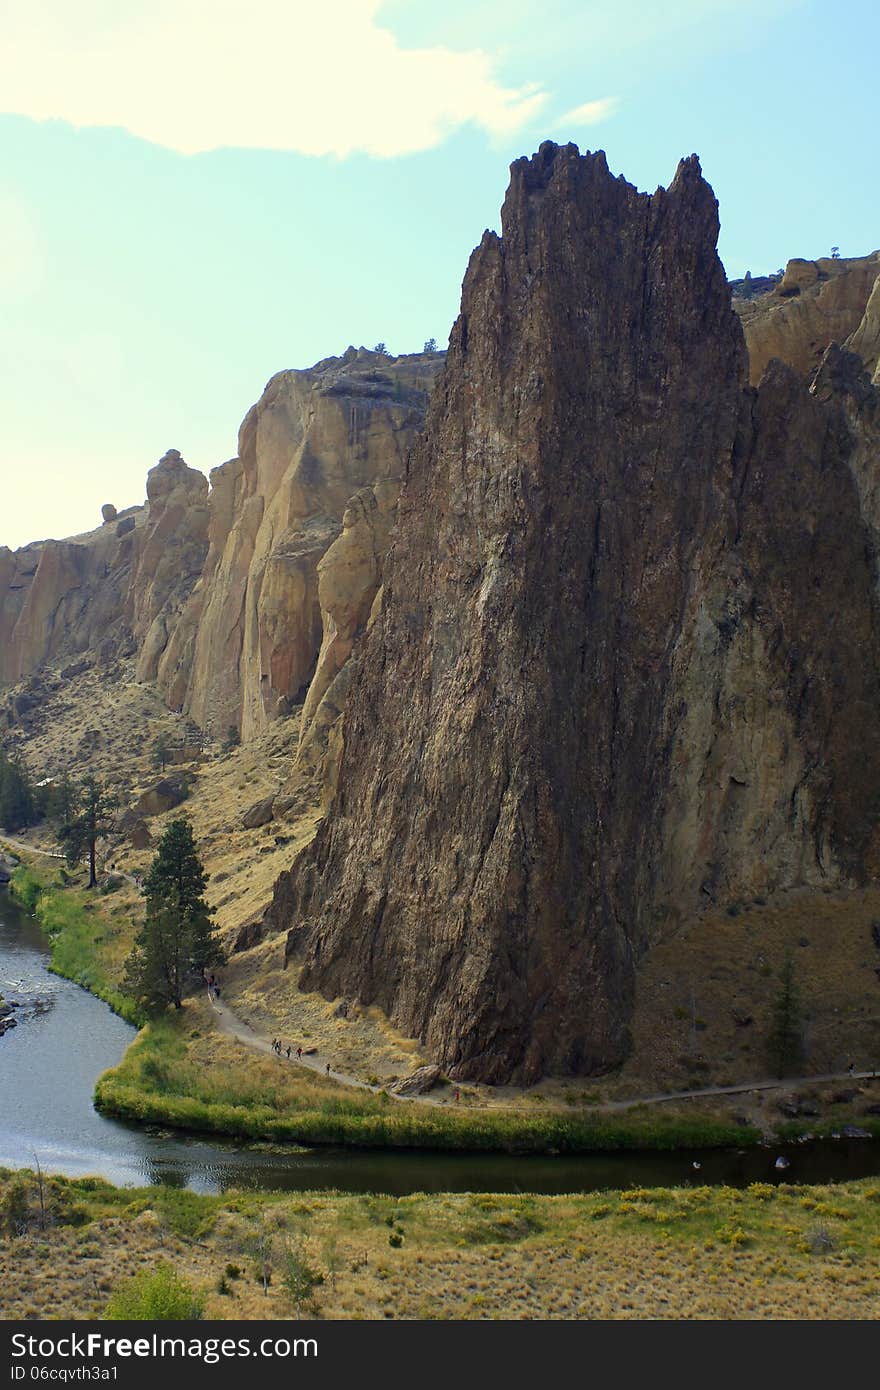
x=281, y=1051
x=213, y=986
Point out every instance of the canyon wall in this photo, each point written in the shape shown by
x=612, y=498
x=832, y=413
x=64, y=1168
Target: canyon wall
x=627, y=656
x=815, y=304
x=247, y=645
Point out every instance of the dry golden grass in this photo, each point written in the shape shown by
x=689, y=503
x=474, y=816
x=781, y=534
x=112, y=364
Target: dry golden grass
x=764, y=1252
x=721, y=968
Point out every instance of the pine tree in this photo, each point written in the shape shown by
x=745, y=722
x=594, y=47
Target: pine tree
x=91, y=817
x=18, y=802
x=785, y=1042
x=161, y=752
x=177, y=940
x=61, y=801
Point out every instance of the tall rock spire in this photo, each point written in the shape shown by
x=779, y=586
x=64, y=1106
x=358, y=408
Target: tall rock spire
x=515, y=817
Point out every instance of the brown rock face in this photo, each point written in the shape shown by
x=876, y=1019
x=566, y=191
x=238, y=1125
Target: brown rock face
x=169, y=556
x=349, y=584
x=612, y=673
x=247, y=643
x=61, y=598
x=117, y=588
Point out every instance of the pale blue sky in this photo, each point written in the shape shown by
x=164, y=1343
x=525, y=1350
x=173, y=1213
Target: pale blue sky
x=194, y=195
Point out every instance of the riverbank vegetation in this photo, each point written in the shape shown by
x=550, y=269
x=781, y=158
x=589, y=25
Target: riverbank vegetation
x=696, y=1252
x=182, y=1072
x=87, y=945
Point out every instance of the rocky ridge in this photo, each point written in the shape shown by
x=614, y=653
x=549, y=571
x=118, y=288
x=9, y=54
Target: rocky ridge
x=834, y=299
x=627, y=659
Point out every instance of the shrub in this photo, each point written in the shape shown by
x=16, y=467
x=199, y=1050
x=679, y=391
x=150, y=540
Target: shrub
x=26, y=888
x=158, y=1295
x=300, y=1277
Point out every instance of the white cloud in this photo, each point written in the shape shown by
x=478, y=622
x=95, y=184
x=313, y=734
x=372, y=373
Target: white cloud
x=195, y=75
x=590, y=113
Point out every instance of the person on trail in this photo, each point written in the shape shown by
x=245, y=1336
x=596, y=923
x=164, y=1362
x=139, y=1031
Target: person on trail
x=299, y=1053
x=328, y=1068
x=274, y=1044
x=851, y=1068
x=288, y=1054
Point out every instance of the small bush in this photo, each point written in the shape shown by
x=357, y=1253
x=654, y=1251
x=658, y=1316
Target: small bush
x=299, y=1275
x=820, y=1241
x=158, y=1295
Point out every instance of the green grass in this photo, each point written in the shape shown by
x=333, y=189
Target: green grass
x=161, y=1080
x=84, y=946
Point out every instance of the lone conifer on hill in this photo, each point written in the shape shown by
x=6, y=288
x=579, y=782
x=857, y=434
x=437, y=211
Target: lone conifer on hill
x=177, y=942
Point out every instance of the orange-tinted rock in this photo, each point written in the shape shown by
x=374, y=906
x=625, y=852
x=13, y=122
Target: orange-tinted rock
x=251, y=635
x=815, y=304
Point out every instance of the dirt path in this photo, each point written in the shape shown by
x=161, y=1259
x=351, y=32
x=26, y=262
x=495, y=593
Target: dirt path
x=27, y=848
x=235, y=1027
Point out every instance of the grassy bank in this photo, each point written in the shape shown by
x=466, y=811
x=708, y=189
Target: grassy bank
x=180, y=1072
x=88, y=939
x=762, y=1252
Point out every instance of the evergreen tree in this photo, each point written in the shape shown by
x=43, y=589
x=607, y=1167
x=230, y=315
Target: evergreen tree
x=430, y=345
x=177, y=940
x=785, y=1042
x=91, y=816
x=18, y=800
x=61, y=801
x=161, y=752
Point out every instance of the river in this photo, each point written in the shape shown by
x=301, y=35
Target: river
x=65, y=1037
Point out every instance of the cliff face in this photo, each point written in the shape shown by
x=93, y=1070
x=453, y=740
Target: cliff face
x=627, y=655
x=816, y=303
x=63, y=598
x=118, y=588
x=246, y=647
x=218, y=592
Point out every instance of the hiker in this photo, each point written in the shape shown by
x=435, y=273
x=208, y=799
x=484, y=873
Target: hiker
x=288, y=1054
x=328, y=1068
x=216, y=991
x=851, y=1068
x=456, y=1093
x=299, y=1053
x=274, y=1044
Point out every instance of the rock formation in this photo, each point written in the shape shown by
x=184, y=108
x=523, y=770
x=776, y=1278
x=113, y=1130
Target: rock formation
x=62, y=598
x=349, y=593
x=816, y=303
x=627, y=658
x=246, y=647
x=217, y=592
x=169, y=555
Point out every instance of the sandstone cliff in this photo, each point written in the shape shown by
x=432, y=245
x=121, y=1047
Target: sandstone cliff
x=816, y=303
x=117, y=589
x=218, y=592
x=246, y=647
x=627, y=656
x=63, y=598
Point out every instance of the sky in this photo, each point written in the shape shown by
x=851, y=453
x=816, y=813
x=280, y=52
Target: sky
x=196, y=194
